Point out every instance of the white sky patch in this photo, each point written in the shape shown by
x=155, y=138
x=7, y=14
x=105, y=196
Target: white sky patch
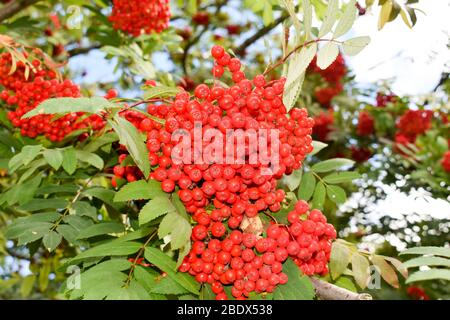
x=413, y=58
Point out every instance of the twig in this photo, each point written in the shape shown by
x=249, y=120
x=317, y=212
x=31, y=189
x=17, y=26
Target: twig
x=78, y=51
x=192, y=42
x=13, y=7
x=259, y=34
x=286, y=57
x=141, y=251
x=328, y=291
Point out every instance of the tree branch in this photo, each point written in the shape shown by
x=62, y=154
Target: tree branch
x=77, y=51
x=328, y=291
x=259, y=34
x=13, y=7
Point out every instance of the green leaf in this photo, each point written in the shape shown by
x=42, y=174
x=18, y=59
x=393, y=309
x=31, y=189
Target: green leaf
x=340, y=177
x=166, y=264
x=336, y=194
x=112, y=248
x=54, y=158
x=27, y=285
x=36, y=164
x=307, y=185
x=427, y=261
x=82, y=208
x=130, y=137
x=360, y=268
x=296, y=73
x=387, y=272
x=155, y=208
x=68, y=232
x=90, y=158
x=168, y=286
x=327, y=55
x=289, y=5
x=26, y=155
x=69, y=163
x=319, y=196
x=69, y=105
x=385, y=14
x=331, y=164
x=437, y=251
x=318, y=146
x=431, y=274
x=405, y=18
x=207, y=293
x=307, y=17
x=298, y=287
x=339, y=260
x=355, y=45
x=138, y=190
x=101, y=229
x=101, y=141
x=412, y=15
x=347, y=20
x=51, y=240
x=40, y=204
x=177, y=227
x=330, y=18
x=160, y=92
x=25, y=227
x=292, y=181
x=346, y=283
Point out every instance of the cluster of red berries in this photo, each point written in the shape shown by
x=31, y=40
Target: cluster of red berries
x=414, y=122
x=129, y=173
x=360, y=154
x=323, y=123
x=384, y=99
x=417, y=293
x=137, y=17
x=241, y=189
x=333, y=77
x=366, y=124
x=445, y=162
x=221, y=194
x=26, y=93
x=254, y=264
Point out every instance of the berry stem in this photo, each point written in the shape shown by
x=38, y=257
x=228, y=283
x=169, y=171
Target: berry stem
x=275, y=65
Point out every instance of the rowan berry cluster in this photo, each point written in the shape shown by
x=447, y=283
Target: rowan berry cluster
x=384, y=99
x=137, y=17
x=219, y=194
x=333, y=77
x=254, y=264
x=24, y=93
x=360, y=154
x=323, y=123
x=244, y=189
x=445, y=162
x=366, y=124
x=413, y=123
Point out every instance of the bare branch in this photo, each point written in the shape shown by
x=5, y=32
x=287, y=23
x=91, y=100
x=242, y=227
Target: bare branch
x=328, y=291
x=259, y=34
x=13, y=7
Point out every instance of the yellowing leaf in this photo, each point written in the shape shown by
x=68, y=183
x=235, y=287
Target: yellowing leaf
x=387, y=272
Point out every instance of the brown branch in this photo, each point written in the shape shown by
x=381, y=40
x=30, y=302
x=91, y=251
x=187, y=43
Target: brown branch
x=328, y=291
x=240, y=51
x=191, y=43
x=13, y=7
x=77, y=51
x=286, y=57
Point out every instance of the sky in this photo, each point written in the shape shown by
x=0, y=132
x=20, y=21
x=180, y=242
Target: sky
x=412, y=58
